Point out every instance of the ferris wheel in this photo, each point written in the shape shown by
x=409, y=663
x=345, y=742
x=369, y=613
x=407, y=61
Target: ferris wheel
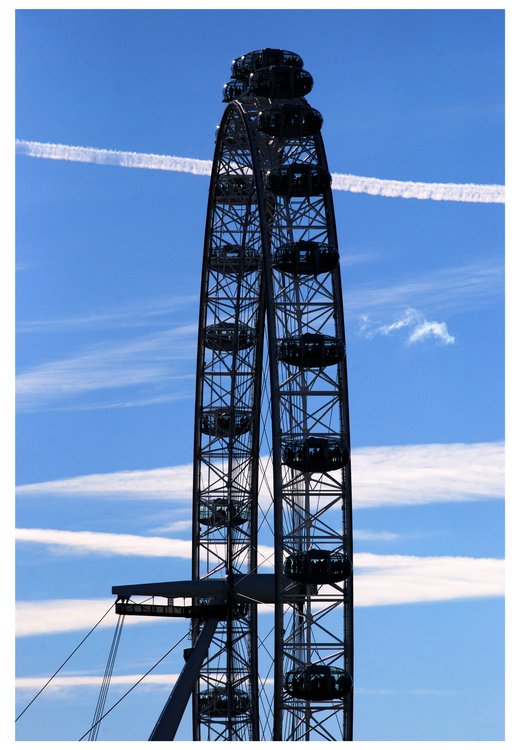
x=272, y=586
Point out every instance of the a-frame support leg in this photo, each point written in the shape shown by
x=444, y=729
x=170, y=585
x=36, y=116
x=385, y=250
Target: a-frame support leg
x=167, y=724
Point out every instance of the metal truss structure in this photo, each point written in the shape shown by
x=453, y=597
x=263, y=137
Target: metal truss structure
x=272, y=531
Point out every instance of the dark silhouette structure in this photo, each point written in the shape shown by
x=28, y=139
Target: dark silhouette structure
x=271, y=591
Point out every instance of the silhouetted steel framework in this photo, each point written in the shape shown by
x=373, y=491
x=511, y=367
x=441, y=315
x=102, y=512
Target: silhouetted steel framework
x=272, y=486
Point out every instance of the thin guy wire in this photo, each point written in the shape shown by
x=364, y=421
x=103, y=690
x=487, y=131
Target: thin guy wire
x=66, y=660
x=138, y=682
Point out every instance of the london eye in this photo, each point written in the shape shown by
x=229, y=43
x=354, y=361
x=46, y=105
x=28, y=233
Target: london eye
x=271, y=612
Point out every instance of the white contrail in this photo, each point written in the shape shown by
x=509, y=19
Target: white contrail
x=468, y=193
x=113, y=158
x=436, y=191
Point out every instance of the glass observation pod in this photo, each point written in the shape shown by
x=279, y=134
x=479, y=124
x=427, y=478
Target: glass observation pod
x=227, y=337
x=243, y=66
x=290, y=120
x=298, y=180
x=280, y=82
x=316, y=454
x=318, y=682
x=222, y=422
x=317, y=566
x=215, y=702
x=235, y=189
x=305, y=257
x=234, y=259
x=311, y=350
x=219, y=512
x=233, y=90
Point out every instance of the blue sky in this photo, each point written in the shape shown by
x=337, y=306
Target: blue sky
x=108, y=268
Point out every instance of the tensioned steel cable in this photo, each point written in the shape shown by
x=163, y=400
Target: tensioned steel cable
x=137, y=683
x=105, y=685
x=66, y=660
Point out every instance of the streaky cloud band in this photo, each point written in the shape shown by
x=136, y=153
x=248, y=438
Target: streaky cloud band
x=388, y=475
x=461, y=192
x=381, y=580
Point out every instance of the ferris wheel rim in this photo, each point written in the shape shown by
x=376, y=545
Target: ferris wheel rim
x=258, y=169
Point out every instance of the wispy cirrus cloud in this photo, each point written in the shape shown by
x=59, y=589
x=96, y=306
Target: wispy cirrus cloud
x=67, y=683
x=366, y=535
x=418, y=328
x=383, y=580
x=353, y=183
x=143, y=368
x=60, y=683
x=168, y=483
x=163, y=681
x=451, y=289
x=380, y=580
x=138, y=314
x=382, y=475
x=130, y=545
x=361, y=257
x=174, y=394
x=157, y=359
x=185, y=524
x=406, y=307
x=427, y=473
x=430, y=329
x=99, y=543
x=432, y=692
x=47, y=616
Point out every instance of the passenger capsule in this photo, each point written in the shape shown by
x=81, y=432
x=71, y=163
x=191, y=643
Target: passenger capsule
x=218, y=512
x=298, y=180
x=215, y=702
x=311, y=350
x=280, y=82
x=243, y=66
x=305, y=257
x=223, y=422
x=316, y=454
x=226, y=337
x=290, y=120
x=233, y=90
x=230, y=258
x=317, y=566
x=235, y=189
x=318, y=682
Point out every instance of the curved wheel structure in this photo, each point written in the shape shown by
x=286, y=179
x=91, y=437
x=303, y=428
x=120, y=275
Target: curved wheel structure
x=272, y=489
